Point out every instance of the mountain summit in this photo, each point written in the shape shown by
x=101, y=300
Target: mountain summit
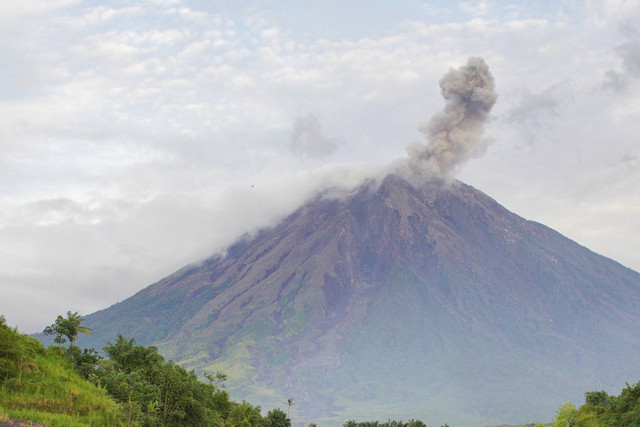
x=427, y=301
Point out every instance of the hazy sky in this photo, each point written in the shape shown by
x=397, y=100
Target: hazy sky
x=139, y=136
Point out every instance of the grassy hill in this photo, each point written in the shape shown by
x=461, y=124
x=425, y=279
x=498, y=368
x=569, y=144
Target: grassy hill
x=40, y=385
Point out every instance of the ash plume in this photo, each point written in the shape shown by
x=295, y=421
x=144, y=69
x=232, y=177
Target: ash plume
x=452, y=133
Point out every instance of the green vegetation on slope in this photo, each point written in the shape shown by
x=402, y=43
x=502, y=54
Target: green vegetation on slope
x=40, y=385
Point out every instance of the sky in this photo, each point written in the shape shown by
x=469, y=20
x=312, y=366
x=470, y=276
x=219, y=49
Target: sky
x=139, y=136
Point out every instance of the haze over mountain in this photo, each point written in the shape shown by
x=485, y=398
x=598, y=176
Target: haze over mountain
x=398, y=300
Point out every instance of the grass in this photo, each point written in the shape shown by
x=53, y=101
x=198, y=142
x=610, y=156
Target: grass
x=49, y=391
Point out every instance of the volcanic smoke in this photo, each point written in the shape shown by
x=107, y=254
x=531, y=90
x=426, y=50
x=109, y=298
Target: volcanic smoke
x=452, y=133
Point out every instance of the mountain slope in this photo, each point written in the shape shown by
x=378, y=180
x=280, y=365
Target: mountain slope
x=428, y=301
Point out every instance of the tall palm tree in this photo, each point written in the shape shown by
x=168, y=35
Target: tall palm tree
x=289, y=405
x=69, y=328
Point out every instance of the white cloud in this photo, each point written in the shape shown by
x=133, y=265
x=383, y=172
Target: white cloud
x=14, y=10
x=480, y=8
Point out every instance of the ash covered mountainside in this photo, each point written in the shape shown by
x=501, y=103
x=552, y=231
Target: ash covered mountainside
x=398, y=301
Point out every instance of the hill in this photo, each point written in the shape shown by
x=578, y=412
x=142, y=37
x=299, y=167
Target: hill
x=40, y=385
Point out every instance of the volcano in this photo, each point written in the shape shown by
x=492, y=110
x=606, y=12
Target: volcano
x=398, y=300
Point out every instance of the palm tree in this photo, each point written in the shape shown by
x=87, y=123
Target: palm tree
x=69, y=328
x=289, y=405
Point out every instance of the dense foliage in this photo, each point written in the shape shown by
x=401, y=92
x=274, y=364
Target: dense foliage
x=155, y=392
x=602, y=410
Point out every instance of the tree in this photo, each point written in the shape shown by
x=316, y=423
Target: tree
x=597, y=398
x=277, y=418
x=216, y=381
x=245, y=415
x=130, y=357
x=84, y=361
x=564, y=415
x=289, y=405
x=67, y=329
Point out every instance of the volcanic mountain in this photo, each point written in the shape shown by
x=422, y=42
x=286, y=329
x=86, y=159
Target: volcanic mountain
x=427, y=301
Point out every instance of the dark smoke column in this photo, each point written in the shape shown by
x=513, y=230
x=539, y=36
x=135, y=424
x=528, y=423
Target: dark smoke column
x=451, y=134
